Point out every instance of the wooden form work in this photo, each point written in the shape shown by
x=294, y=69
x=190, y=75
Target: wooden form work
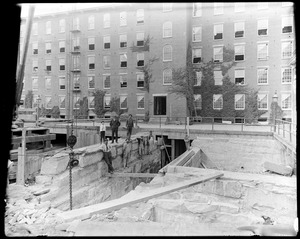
x=132, y=175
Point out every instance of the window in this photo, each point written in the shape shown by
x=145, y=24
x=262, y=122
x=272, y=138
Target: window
x=287, y=24
x=91, y=43
x=262, y=5
x=286, y=101
x=286, y=49
x=239, y=101
x=239, y=52
x=106, y=81
x=217, y=102
x=196, y=54
x=167, y=53
x=239, y=7
x=167, y=7
x=123, y=101
x=140, y=37
x=123, y=80
x=91, y=82
x=141, y=101
x=262, y=101
x=218, y=54
x=140, y=16
x=123, y=40
x=198, y=101
x=167, y=29
x=198, y=78
x=197, y=34
x=106, y=62
x=239, y=29
x=62, y=102
x=123, y=60
x=197, y=9
x=167, y=77
x=140, y=59
x=76, y=81
x=48, y=82
x=239, y=76
x=107, y=101
x=48, y=47
x=140, y=80
x=218, y=32
x=218, y=77
x=62, y=64
x=262, y=76
x=91, y=102
x=91, y=62
x=48, y=27
x=48, y=102
x=35, y=81
x=286, y=75
x=76, y=44
x=76, y=23
x=48, y=65
x=91, y=21
x=35, y=50
x=262, y=27
x=62, y=25
x=62, y=82
x=76, y=102
x=62, y=46
x=76, y=62
x=123, y=18
x=106, y=20
x=106, y=41
x=218, y=8
x=262, y=51
x=35, y=28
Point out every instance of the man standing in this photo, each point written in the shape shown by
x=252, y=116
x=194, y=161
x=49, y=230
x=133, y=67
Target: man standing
x=129, y=126
x=114, y=124
x=107, y=155
x=102, y=132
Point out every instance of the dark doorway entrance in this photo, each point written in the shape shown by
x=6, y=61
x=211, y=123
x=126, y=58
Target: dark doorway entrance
x=160, y=105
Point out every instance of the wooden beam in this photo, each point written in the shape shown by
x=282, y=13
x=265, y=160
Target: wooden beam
x=21, y=160
x=87, y=212
x=36, y=138
x=132, y=175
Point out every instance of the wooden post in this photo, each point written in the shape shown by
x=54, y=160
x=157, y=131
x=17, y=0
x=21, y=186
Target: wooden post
x=188, y=125
x=21, y=160
x=173, y=149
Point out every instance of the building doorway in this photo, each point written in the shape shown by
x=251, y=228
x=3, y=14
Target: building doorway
x=160, y=105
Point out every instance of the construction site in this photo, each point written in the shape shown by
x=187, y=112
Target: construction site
x=180, y=178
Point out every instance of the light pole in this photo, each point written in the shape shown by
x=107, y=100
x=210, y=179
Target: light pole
x=274, y=104
x=37, y=110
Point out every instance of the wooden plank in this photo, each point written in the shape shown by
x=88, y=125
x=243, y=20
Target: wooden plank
x=132, y=175
x=37, y=138
x=21, y=160
x=87, y=212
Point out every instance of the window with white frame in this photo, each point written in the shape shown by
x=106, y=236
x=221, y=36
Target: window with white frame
x=62, y=64
x=239, y=76
x=198, y=101
x=218, y=8
x=62, y=46
x=167, y=7
x=35, y=49
x=217, y=101
x=35, y=67
x=106, y=20
x=239, y=29
x=239, y=101
x=91, y=81
x=76, y=62
x=91, y=62
x=76, y=101
x=48, y=47
x=262, y=27
x=140, y=38
x=48, y=82
x=140, y=16
x=140, y=80
x=35, y=81
x=286, y=75
x=123, y=80
x=76, y=81
x=262, y=5
x=123, y=101
x=62, y=101
x=198, y=78
x=48, y=102
x=197, y=9
x=167, y=53
x=197, y=34
x=35, y=28
x=286, y=49
x=218, y=53
x=91, y=43
x=218, y=77
x=167, y=77
x=62, y=82
x=140, y=59
x=141, y=101
x=48, y=65
x=287, y=24
x=91, y=102
x=48, y=27
x=76, y=25
x=262, y=51
x=239, y=52
x=106, y=42
x=123, y=40
x=106, y=62
x=262, y=101
x=106, y=81
x=239, y=7
x=106, y=101
x=218, y=31
x=91, y=22
x=123, y=60
x=123, y=18
x=286, y=101
x=262, y=76
x=76, y=44
x=167, y=29
x=62, y=25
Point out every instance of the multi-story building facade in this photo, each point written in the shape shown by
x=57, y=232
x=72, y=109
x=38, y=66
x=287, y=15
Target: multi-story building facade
x=74, y=53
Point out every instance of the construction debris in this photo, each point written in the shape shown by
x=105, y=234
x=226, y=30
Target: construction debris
x=278, y=168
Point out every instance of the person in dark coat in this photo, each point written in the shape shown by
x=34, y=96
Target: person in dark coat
x=129, y=126
x=107, y=155
x=114, y=124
